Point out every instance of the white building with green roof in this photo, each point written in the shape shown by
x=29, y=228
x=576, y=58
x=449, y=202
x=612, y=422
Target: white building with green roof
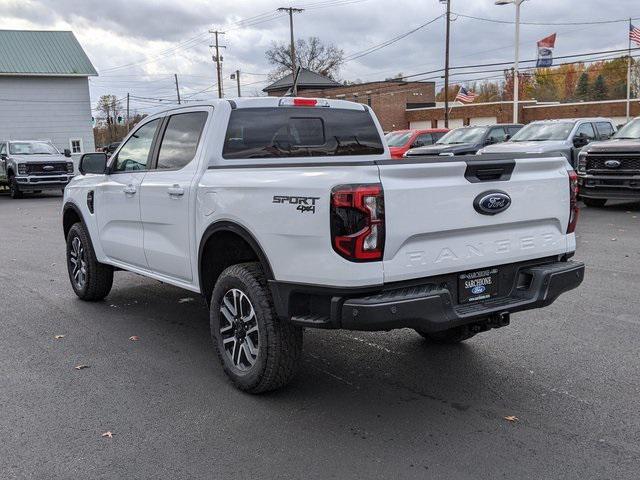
x=44, y=89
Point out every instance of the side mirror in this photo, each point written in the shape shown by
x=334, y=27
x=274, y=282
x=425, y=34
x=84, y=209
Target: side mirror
x=417, y=143
x=67, y=153
x=3, y=156
x=507, y=137
x=93, y=163
x=491, y=141
x=580, y=140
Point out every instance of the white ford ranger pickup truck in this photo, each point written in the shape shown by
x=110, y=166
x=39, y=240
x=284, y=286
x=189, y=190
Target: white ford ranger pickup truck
x=288, y=213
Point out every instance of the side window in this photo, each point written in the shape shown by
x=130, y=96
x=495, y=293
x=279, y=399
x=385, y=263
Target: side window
x=3, y=149
x=134, y=155
x=513, y=130
x=180, y=140
x=422, y=140
x=497, y=134
x=605, y=130
x=587, y=129
x=438, y=135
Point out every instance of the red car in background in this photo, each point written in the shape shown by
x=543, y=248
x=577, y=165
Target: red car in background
x=400, y=141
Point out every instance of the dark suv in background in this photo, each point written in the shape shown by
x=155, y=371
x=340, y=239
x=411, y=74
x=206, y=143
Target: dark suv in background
x=467, y=140
x=611, y=169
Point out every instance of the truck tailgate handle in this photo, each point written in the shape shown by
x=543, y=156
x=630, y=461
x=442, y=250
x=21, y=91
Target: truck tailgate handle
x=489, y=170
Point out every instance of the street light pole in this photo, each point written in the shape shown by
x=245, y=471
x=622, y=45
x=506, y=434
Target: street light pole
x=516, y=74
x=446, y=63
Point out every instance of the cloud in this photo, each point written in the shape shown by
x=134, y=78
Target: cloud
x=151, y=40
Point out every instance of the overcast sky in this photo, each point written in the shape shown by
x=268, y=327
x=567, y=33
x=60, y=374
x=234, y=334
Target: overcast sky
x=137, y=45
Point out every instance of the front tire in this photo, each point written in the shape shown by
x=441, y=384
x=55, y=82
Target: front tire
x=258, y=351
x=448, y=337
x=595, y=202
x=14, y=188
x=90, y=279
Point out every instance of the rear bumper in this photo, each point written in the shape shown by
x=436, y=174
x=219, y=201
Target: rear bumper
x=622, y=187
x=430, y=305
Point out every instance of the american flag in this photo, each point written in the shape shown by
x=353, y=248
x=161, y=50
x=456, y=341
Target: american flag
x=634, y=34
x=465, y=95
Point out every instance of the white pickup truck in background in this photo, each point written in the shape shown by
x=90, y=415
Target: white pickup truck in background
x=287, y=213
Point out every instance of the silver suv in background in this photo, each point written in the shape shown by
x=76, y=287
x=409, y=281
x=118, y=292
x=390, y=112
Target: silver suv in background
x=33, y=166
x=566, y=136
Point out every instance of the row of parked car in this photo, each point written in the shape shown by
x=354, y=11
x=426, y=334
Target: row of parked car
x=567, y=136
x=607, y=160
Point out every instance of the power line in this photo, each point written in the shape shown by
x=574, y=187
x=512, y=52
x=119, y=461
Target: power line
x=481, y=65
x=388, y=42
x=546, y=24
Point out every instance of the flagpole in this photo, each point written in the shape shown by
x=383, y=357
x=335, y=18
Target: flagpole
x=454, y=101
x=629, y=75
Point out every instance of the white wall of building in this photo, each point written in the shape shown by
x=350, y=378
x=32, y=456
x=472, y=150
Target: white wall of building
x=52, y=108
x=420, y=125
x=483, y=120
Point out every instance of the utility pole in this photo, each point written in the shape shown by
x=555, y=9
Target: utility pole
x=236, y=76
x=175, y=75
x=291, y=11
x=127, y=112
x=218, y=59
x=446, y=65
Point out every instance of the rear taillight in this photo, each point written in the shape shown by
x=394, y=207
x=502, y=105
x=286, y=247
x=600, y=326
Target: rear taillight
x=357, y=222
x=573, y=201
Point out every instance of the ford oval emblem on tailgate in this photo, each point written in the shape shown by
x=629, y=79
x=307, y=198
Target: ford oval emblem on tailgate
x=490, y=203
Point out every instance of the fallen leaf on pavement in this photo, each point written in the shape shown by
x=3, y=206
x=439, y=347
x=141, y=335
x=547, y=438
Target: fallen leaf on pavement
x=107, y=435
x=185, y=300
x=81, y=367
x=614, y=239
x=58, y=337
x=134, y=338
x=511, y=418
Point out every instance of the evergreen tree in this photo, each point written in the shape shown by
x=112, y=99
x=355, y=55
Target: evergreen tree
x=600, y=91
x=582, y=90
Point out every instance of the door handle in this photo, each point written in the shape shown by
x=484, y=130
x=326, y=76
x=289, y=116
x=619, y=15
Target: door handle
x=129, y=189
x=175, y=191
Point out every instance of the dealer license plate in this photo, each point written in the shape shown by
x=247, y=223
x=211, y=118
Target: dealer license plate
x=478, y=285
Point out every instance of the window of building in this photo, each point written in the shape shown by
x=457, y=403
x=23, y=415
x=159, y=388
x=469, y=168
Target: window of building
x=75, y=145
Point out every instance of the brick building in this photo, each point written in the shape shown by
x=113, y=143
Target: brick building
x=399, y=104
x=390, y=100
x=530, y=110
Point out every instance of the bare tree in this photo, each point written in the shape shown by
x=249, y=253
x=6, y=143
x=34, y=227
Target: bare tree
x=311, y=54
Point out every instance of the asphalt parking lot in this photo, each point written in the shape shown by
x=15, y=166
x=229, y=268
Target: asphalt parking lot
x=365, y=405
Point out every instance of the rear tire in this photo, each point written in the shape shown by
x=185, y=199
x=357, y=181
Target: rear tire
x=448, y=337
x=14, y=188
x=594, y=202
x=90, y=279
x=258, y=351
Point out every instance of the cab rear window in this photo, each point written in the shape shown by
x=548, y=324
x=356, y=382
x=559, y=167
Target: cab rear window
x=300, y=132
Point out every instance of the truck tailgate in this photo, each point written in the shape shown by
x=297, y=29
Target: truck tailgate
x=432, y=226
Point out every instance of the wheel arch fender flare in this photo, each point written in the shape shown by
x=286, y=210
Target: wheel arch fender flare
x=242, y=232
x=70, y=206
